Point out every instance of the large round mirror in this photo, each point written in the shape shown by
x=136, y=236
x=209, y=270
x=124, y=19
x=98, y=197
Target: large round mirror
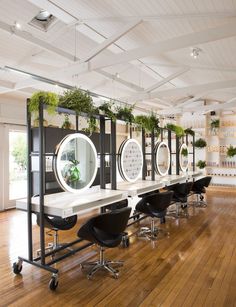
x=75, y=164
x=183, y=157
x=162, y=158
x=130, y=160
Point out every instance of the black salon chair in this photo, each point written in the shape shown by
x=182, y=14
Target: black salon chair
x=199, y=188
x=105, y=230
x=55, y=224
x=154, y=205
x=180, y=197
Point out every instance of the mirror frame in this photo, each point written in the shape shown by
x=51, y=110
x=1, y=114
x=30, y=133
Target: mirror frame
x=183, y=169
x=58, y=153
x=121, y=151
x=156, y=151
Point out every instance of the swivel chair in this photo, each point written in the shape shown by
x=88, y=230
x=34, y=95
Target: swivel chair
x=154, y=205
x=55, y=224
x=180, y=197
x=199, y=188
x=105, y=230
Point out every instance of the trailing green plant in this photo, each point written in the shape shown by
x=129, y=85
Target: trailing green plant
x=125, y=113
x=231, y=151
x=201, y=164
x=106, y=107
x=71, y=172
x=184, y=152
x=77, y=100
x=48, y=98
x=147, y=122
x=66, y=124
x=215, y=123
x=178, y=130
x=200, y=143
x=189, y=131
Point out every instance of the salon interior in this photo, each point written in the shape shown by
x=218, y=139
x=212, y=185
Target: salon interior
x=117, y=153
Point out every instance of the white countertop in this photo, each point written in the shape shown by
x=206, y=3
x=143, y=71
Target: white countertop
x=66, y=204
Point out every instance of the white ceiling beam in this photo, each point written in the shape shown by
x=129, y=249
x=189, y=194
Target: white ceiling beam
x=215, y=15
x=7, y=84
x=35, y=41
x=221, y=106
x=201, y=37
x=191, y=100
x=121, y=81
x=107, y=42
x=165, y=80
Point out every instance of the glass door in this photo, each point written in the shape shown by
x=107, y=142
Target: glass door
x=15, y=163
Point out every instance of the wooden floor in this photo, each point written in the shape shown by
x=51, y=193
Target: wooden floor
x=194, y=266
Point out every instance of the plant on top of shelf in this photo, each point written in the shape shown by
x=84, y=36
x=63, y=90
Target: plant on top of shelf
x=147, y=122
x=77, y=100
x=215, y=123
x=178, y=130
x=106, y=108
x=200, y=143
x=201, y=164
x=48, y=98
x=184, y=152
x=231, y=151
x=125, y=113
x=189, y=131
x=66, y=124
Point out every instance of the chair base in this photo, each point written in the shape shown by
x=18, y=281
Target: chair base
x=177, y=213
x=102, y=264
x=151, y=233
x=199, y=202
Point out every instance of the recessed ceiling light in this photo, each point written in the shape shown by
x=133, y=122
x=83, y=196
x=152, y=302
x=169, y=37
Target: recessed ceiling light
x=43, y=15
x=195, y=52
x=42, y=20
x=17, y=25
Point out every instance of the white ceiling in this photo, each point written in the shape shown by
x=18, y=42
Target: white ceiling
x=133, y=50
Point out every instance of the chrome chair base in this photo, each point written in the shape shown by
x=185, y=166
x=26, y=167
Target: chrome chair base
x=200, y=202
x=151, y=233
x=102, y=264
x=180, y=211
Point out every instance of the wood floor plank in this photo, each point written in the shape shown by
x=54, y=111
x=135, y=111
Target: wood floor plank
x=194, y=266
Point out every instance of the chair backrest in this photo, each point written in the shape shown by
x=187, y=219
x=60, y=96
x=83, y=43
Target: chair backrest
x=182, y=189
x=57, y=222
x=202, y=183
x=159, y=201
x=113, y=222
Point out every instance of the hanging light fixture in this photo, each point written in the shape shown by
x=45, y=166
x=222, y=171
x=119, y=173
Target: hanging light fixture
x=195, y=52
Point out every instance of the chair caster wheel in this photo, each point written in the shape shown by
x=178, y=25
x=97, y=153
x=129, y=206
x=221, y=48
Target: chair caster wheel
x=89, y=277
x=53, y=283
x=116, y=275
x=201, y=198
x=17, y=267
x=125, y=240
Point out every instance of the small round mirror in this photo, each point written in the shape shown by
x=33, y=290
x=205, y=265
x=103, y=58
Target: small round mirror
x=162, y=158
x=75, y=165
x=183, y=157
x=130, y=160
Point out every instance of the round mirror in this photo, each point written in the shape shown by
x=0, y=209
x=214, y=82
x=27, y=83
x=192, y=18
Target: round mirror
x=162, y=158
x=130, y=161
x=183, y=157
x=75, y=165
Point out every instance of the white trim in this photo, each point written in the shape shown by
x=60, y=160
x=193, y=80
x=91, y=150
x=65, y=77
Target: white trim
x=183, y=169
x=59, y=152
x=157, y=150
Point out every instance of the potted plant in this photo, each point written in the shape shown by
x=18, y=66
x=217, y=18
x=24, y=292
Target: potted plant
x=201, y=164
x=125, y=113
x=231, y=151
x=189, y=131
x=66, y=124
x=147, y=122
x=178, y=130
x=106, y=109
x=48, y=98
x=200, y=143
x=184, y=152
x=215, y=123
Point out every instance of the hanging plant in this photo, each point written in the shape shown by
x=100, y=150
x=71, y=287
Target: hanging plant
x=178, y=130
x=215, y=123
x=106, y=108
x=66, y=124
x=48, y=98
x=189, y=131
x=125, y=113
x=231, y=151
x=201, y=164
x=200, y=143
x=149, y=123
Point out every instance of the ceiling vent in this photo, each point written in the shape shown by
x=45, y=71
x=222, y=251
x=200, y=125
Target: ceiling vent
x=43, y=20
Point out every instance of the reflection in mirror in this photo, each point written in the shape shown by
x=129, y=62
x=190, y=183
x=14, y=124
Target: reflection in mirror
x=76, y=163
x=162, y=160
x=130, y=161
x=183, y=157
